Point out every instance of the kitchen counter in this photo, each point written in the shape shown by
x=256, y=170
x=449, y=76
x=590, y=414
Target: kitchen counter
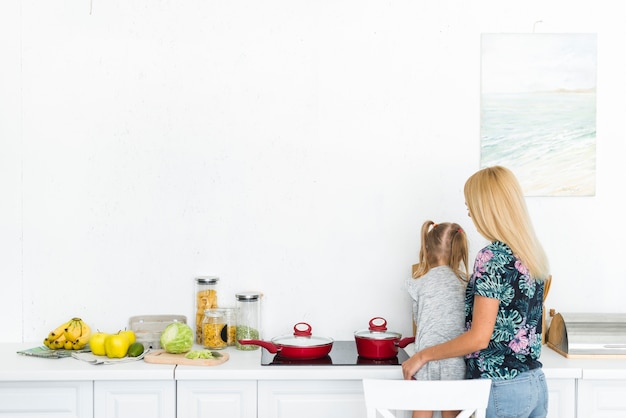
x=246, y=365
x=243, y=387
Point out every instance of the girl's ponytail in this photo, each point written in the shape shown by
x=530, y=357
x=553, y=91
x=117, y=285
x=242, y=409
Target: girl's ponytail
x=423, y=265
x=459, y=252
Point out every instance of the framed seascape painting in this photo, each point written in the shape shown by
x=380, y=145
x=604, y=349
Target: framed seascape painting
x=538, y=110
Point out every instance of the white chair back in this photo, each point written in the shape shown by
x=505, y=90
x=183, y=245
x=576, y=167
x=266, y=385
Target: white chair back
x=469, y=396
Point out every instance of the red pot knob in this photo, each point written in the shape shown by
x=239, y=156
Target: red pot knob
x=378, y=324
x=302, y=329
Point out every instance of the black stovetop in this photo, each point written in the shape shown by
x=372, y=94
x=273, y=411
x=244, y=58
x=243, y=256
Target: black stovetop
x=343, y=353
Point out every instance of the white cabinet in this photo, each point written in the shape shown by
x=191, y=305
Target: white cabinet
x=311, y=399
x=134, y=398
x=249, y=399
x=344, y=398
x=214, y=398
x=601, y=398
x=562, y=398
x=53, y=399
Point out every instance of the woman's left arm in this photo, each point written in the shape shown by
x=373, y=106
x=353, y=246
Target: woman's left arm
x=476, y=338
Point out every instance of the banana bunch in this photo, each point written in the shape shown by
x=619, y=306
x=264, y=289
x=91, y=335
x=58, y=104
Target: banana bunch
x=71, y=335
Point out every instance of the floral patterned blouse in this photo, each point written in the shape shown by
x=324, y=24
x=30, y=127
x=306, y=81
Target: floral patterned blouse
x=515, y=345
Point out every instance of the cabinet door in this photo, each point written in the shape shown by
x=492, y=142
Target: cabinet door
x=135, y=398
x=223, y=399
x=562, y=398
x=51, y=399
x=602, y=398
x=311, y=399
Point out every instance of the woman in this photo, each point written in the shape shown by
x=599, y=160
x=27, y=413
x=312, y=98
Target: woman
x=503, y=302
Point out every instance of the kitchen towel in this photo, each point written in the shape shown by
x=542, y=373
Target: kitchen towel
x=91, y=358
x=45, y=352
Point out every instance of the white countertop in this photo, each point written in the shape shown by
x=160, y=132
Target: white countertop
x=246, y=365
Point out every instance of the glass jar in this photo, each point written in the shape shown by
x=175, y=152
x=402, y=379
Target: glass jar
x=206, y=298
x=248, y=319
x=214, y=329
x=230, y=334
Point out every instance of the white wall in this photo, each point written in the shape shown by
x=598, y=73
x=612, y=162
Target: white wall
x=294, y=147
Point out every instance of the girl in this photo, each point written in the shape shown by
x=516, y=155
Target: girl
x=438, y=292
x=503, y=301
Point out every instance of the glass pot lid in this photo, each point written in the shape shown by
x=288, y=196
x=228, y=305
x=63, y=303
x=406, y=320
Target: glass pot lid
x=302, y=337
x=377, y=331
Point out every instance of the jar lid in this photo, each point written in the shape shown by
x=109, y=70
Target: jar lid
x=248, y=296
x=207, y=279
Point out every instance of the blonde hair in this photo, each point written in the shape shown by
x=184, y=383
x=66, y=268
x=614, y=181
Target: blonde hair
x=497, y=207
x=443, y=244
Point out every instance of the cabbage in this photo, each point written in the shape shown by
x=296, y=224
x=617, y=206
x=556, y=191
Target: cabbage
x=177, y=338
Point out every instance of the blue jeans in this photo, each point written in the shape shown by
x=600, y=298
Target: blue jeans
x=525, y=396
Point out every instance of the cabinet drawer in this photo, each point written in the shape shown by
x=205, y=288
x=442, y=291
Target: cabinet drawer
x=601, y=398
x=561, y=398
x=51, y=399
x=212, y=398
x=311, y=399
x=135, y=398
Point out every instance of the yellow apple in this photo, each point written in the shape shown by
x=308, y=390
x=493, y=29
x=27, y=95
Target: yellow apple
x=116, y=346
x=96, y=343
x=130, y=334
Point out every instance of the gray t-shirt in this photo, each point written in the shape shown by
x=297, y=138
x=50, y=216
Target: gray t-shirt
x=439, y=313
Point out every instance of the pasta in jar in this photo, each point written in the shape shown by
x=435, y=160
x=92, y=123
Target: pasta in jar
x=206, y=298
x=213, y=329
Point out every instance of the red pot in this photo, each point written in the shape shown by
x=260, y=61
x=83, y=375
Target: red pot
x=377, y=343
x=300, y=346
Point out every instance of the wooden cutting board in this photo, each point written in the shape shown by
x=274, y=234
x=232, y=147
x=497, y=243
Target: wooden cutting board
x=163, y=357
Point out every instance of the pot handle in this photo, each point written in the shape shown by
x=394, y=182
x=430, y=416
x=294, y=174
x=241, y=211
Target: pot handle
x=272, y=348
x=302, y=329
x=405, y=341
x=378, y=324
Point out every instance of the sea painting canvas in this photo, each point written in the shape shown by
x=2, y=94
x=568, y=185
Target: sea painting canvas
x=538, y=110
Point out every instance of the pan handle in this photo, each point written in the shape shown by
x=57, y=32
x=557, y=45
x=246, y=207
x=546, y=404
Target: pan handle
x=405, y=341
x=272, y=348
